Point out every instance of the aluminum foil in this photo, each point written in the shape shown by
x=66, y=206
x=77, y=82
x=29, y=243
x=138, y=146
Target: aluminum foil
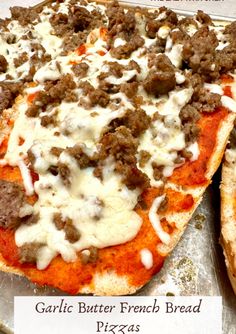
x=196, y=267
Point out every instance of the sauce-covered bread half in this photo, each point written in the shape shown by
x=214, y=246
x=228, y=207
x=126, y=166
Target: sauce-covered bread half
x=113, y=121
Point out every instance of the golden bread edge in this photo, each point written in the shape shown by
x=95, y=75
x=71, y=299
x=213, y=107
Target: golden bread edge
x=227, y=189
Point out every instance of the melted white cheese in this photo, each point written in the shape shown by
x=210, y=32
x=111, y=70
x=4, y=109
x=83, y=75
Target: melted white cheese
x=176, y=101
x=163, y=32
x=63, y=7
x=87, y=199
x=163, y=140
x=119, y=42
x=146, y=258
x=174, y=52
x=81, y=125
x=13, y=51
x=229, y=103
x=155, y=220
x=50, y=71
x=214, y=88
x=50, y=42
x=226, y=101
x=27, y=180
x=161, y=16
x=127, y=75
x=191, y=29
x=180, y=78
x=26, y=210
x=39, y=32
x=92, y=6
x=222, y=38
x=194, y=149
x=221, y=46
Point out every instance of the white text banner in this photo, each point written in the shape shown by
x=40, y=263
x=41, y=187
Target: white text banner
x=118, y=315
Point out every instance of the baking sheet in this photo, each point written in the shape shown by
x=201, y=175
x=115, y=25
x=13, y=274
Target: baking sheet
x=196, y=267
x=212, y=7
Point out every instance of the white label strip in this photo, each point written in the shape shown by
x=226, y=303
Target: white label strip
x=117, y=315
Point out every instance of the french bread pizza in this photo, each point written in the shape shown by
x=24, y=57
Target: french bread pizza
x=113, y=122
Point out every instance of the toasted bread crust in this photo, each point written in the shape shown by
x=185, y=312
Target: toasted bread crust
x=228, y=208
x=228, y=214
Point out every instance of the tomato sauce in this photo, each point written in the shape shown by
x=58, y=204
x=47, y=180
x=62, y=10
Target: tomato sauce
x=101, y=53
x=228, y=91
x=193, y=174
x=3, y=147
x=31, y=97
x=104, y=33
x=81, y=50
x=227, y=79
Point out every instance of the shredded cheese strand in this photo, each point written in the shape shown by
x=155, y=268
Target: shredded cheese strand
x=146, y=258
x=155, y=221
x=27, y=180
